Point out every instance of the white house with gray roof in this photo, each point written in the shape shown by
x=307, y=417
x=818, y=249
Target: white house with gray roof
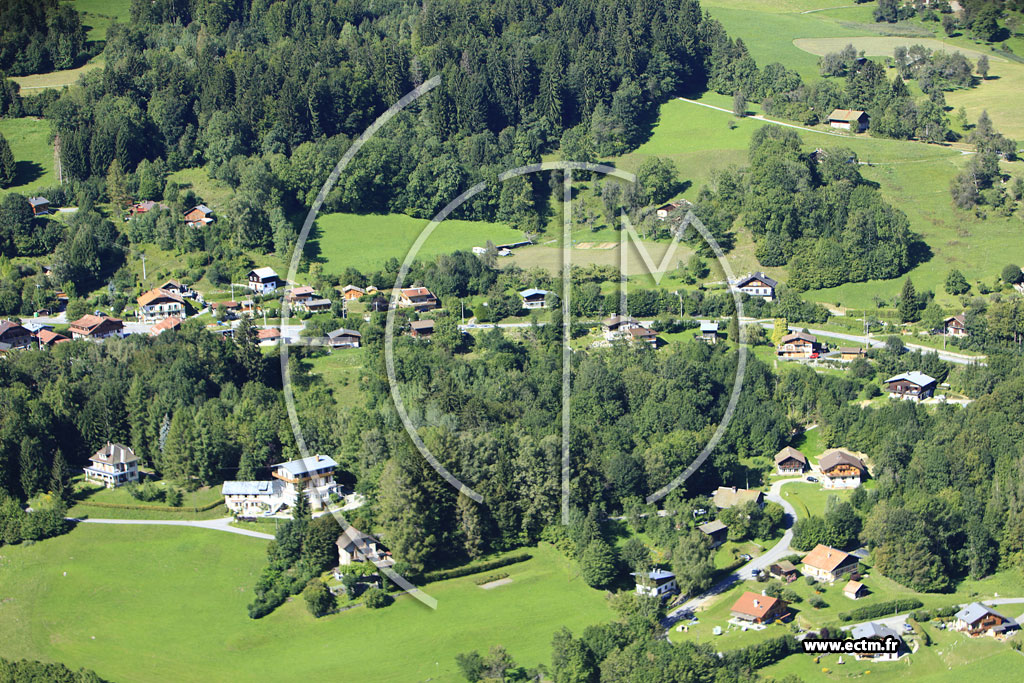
x=252, y=498
x=882, y=633
x=912, y=385
x=263, y=280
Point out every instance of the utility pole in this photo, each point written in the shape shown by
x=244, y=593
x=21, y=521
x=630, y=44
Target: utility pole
x=143, y=267
x=232, y=291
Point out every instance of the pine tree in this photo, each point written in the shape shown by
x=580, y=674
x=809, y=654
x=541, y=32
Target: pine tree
x=117, y=184
x=471, y=526
x=32, y=467
x=178, y=461
x=908, y=305
x=301, y=511
x=8, y=167
x=59, y=477
x=248, y=351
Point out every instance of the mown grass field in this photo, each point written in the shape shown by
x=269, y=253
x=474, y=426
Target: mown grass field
x=33, y=153
x=169, y=604
x=35, y=83
x=98, y=15
x=366, y=241
x=87, y=493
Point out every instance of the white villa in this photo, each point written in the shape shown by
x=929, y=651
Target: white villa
x=656, y=583
x=113, y=465
x=247, y=498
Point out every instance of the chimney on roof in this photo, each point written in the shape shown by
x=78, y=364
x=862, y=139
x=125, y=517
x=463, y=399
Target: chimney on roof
x=763, y=592
x=757, y=603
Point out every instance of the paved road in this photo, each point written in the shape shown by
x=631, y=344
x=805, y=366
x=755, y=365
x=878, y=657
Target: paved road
x=744, y=573
x=223, y=524
x=896, y=622
x=948, y=356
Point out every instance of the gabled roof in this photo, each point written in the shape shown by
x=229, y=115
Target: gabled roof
x=421, y=325
x=726, y=496
x=416, y=291
x=790, y=452
x=202, y=208
x=755, y=604
x=295, y=292
x=618, y=320
x=839, y=456
x=959, y=317
x=975, y=610
x=850, y=349
x=914, y=377
x=526, y=293
x=845, y=115
x=852, y=586
x=251, y=488
x=642, y=332
x=657, y=575
x=50, y=337
x=343, y=332
x=38, y=201
x=114, y=453
x=708, y=326
x=268, y=333
x=157, y=294
x=785, y=566
x=711, y=527
x=168, y=323
x=826, y=559
x=303, y=466
x=757, y=276
x=8, y=326
x=873, y=630
x=264, y=273
x=91, y=322
x=802, y=336
x=353, y=288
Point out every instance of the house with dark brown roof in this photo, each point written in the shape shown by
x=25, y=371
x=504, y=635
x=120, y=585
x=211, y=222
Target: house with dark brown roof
x=759, y=608
x=757, y=284
x=955, y=326
x=14, y=336
x=841, y=469
x=421, y=329
x=716, y=531
x=96, y=327
x=790, y=461
x=50, y=338
x=643, y=335
x=798, y=345
x=828, y=564
x=343, y=338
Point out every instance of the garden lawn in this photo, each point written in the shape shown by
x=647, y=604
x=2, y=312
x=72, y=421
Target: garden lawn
x=366, y=241
x=98, y=15
x=33, y=154
x=169, y=604
x=809, y=443
x=87, y=493
x=339, y=371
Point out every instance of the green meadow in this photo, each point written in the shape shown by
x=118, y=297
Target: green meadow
x=169, y=604
x=33, y=153
x=367, y=241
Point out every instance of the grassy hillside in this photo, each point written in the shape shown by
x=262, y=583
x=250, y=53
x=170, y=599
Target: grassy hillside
x=168, y=604
x=33, y=154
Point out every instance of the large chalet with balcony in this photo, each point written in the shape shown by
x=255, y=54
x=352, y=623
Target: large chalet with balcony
x=914, y=386
x=757, y=284
x=829, y=564
x=420, y=299
x=841, y=469
x=158, y=304
x=96, y=327
x=113, y=465
x=316, y=473
x=798, y=345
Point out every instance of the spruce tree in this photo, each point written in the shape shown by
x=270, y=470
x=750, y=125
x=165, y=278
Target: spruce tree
x=59, y=477
x=301, y=511
x=7, y=164
x=908, y=305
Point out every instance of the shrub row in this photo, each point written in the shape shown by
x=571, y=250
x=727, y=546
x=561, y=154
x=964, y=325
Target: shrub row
x=151, y=508
x=881, y=609
x=466, y=570
x=491, y=577
x=763, y=654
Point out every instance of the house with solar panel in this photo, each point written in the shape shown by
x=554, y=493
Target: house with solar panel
x=252, y=498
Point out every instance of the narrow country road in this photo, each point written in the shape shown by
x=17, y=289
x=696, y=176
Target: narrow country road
x=744, y=573
x=223, y=524
x=948, y=356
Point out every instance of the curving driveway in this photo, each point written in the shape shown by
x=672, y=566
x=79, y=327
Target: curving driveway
x=761, y=562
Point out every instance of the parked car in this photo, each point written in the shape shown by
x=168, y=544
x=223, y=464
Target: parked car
x=755, y=572
x=813, y=480
x=745, y=557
